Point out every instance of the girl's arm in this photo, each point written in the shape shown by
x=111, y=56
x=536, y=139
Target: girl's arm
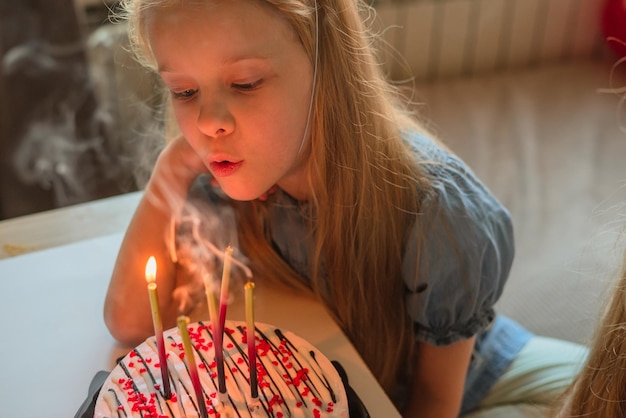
x=439, y=379
x=127, y=306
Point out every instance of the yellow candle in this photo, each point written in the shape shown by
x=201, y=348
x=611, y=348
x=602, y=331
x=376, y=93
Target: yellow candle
x=217, y=334
x=211, y=302
x=158, y=324
x=183, y=321
x=250, y=336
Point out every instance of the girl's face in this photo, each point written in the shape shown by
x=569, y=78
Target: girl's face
x=240, y=83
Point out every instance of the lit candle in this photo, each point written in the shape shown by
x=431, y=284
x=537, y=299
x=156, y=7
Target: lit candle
x=183, y=321
x=249, y=293
x=158, y=325
x=217, y=333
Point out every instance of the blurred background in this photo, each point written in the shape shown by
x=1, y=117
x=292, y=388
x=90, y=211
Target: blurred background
x=75, y=110
x=528, y=92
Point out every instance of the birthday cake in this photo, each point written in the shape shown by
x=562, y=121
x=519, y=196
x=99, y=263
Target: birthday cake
x=294, y=379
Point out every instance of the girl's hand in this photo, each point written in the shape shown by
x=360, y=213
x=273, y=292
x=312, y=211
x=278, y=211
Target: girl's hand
x=178, y=159
x=151, y=232
x=175, y=170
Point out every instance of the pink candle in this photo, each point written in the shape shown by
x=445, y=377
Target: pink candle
x=250, y=337
x=183, y=321
x=158, y=325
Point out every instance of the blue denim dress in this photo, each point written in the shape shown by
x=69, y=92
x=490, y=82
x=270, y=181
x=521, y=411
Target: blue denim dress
x=458, y=275
x=467, y=257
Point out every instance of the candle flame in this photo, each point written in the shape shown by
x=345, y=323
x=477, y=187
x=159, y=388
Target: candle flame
x=151, y=270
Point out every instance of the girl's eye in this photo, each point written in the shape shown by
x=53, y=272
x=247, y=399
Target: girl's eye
x=247, y=86
x=185, y=94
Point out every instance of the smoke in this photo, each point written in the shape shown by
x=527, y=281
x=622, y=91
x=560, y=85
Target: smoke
x=199, y=237
x=48, y=154
x=91, y=130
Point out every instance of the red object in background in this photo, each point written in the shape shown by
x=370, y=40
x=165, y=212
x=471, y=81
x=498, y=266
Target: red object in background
x=614, y=25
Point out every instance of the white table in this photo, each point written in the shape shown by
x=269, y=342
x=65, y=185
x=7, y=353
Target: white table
x=54, y=339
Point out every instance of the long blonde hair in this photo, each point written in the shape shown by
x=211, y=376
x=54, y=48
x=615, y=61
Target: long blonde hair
x=366, y=184
x=600, y=388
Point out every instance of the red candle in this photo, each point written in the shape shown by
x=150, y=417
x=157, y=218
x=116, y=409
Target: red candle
x=225, y=284
x=183, y=321
x=250, y=337
x=218, y=334
x=158, y=325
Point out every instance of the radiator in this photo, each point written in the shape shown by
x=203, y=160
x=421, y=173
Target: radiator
x=431, y=39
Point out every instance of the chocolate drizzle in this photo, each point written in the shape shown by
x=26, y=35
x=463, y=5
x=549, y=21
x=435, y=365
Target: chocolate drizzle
x=323, y=378
x=118, y=405
x=294, y=379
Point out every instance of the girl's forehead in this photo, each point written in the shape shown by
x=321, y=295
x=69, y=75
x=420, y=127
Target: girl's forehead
x=227, y=18
x=222, y=31
x=215, y=8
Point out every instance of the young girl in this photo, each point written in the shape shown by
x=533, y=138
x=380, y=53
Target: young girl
x=288, y=126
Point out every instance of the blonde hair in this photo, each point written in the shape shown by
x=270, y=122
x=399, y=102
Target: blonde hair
x=366, y=184
x=600, y=388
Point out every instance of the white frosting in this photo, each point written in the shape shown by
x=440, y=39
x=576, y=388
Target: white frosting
x=294, y=378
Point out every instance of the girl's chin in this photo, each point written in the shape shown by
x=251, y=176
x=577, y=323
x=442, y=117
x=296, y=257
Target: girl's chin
x=243, y=195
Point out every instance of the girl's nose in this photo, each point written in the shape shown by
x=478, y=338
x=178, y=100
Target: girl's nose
x=214, y=118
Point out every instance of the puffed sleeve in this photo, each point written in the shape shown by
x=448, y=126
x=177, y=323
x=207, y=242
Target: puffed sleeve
x=458, y=255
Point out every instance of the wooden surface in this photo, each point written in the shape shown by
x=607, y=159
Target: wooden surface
x=66, y=225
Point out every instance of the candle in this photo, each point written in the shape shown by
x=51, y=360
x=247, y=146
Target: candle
x=183, y=321
x=217, y=334
x=249, y=294
x=224, y=290
x=158, y=325
x=210, y=300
